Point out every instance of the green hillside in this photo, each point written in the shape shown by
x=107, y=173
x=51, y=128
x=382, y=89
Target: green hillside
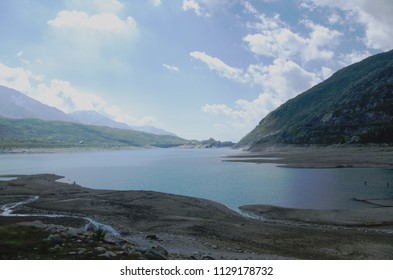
x=353, y=106
x=34, y=133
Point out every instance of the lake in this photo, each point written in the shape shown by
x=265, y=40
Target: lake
x=202, y=173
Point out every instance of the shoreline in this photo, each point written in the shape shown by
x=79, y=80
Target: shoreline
x=194, y=228
x=67, y=150
x=320, y=157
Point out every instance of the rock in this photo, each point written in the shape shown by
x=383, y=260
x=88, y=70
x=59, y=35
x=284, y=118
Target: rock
x=109, y=240
x=54, y=238
x=153, y=254
x=152, y=237
x=207, y=258
x=108, y=254
x=162, y=250
x=100, y=249
x=81, y=251
x=57, y=247
x=70, y=233
x=91, y=227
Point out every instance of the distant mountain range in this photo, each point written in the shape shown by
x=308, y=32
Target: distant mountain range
x=353, y=106
x=95, y=118
x=16, y=105
x=35, y=133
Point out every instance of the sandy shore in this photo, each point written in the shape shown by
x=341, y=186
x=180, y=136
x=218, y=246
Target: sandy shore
x=193, y=228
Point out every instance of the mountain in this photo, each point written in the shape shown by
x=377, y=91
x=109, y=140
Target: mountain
x=95, y=118
x=34, y=133
x=16, y=105
x=152, y=129
x=353, y=106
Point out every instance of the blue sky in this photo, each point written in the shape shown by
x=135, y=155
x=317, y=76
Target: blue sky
x=198, y=68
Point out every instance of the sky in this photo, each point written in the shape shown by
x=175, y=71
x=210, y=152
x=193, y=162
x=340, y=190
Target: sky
x=197, y=68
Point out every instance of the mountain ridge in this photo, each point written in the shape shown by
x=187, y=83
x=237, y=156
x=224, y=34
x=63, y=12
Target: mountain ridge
x=15, y=105
x=353, y=106
x=35, y=133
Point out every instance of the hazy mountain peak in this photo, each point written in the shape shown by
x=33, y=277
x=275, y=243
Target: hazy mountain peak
x=94, y=118
x=16, y=105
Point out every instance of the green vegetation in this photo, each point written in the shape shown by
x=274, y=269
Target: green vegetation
x=34, y=133
x=99, y=234
x=354, y=106
x=30, y=243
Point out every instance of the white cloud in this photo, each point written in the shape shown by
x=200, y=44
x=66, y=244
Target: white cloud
x=276, y=39
x=334, y=18
x=326, y=72
x=17, y=78
x=320, y=42
x=171, y=67
x=156, y=3
x=107, y=22
x=280, y=81
x=283, y=77
x=273, y=43
x=207, y=8
x=191, y=5
x=19, y=54
x=375, y=16
x=62, y=95
x=244, y=115
x=353, y=57
x=219, y=66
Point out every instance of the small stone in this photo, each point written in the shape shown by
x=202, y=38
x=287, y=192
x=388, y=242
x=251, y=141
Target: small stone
x=109, y=240
x=108, y=254
x=153, y=254
x=54, y=238
x=91, y=227
x=152, y=237
x=100, y=249
x=71, y=232
x=81, y=251
x=162, y=250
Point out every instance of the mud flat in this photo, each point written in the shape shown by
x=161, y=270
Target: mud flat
x=179, y=227
x=320, y=157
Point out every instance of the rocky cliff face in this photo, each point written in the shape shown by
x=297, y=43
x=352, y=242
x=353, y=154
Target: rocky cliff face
x=354, y=106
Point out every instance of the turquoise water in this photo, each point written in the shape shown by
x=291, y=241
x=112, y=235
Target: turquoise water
x=202, y=173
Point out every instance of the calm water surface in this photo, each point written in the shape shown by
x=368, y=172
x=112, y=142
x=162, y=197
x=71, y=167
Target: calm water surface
x=201, y=173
